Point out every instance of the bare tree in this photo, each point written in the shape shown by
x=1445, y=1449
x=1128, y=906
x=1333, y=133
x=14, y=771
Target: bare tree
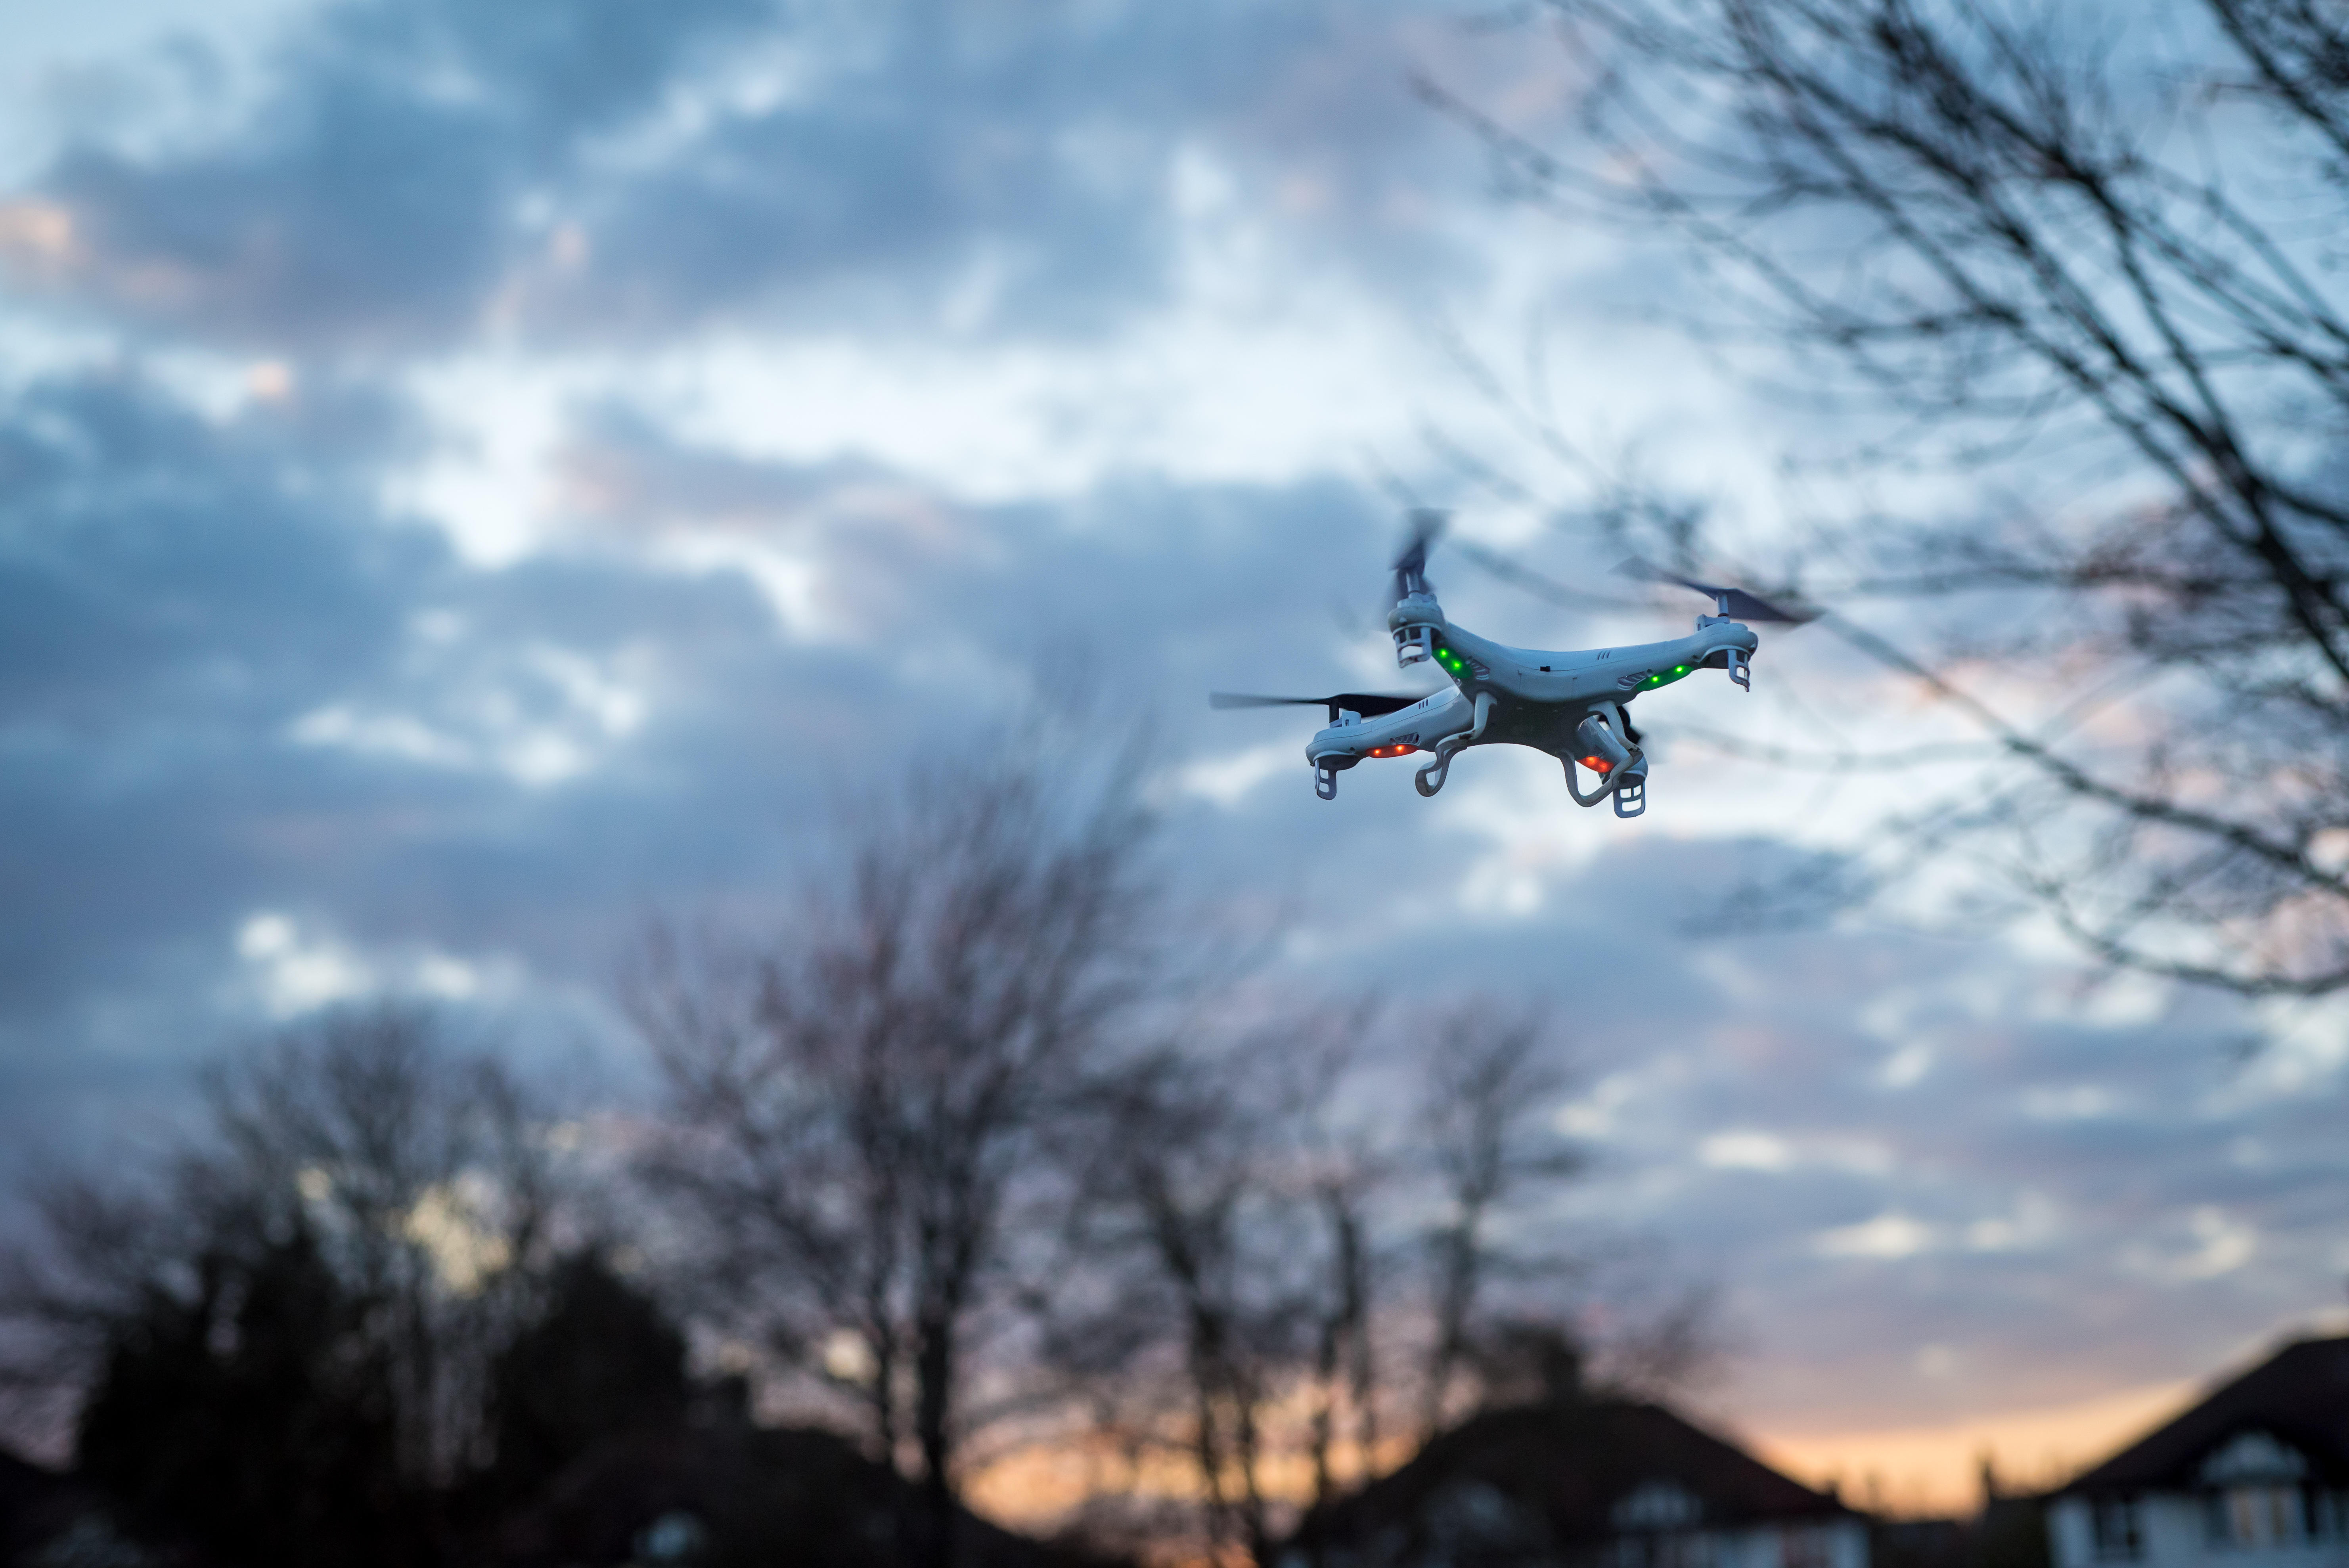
x=859, y=1113
x=1346, y=1362
x=1276, y=1297
x=1234, y=1239
x=1491, y=1082
x=2090, y=255
x=1183, y=1165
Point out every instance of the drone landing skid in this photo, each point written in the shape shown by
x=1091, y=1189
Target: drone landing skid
x=1324, y=783
x=1430, y=778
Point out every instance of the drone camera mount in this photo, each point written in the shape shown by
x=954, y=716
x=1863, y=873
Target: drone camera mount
x=1606, y=750
x=1603, y=750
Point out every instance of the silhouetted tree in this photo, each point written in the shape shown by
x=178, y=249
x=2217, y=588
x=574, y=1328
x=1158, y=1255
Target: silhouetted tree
x=422, y=1173
x=1492, y=1080
x=286, y=1327
x=252, y=1420
x=602, y=1358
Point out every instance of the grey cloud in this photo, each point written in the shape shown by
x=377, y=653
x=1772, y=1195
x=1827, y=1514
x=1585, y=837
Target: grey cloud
x=371, y=203
x=121, y=583
x=997, y=169
x=423, y=168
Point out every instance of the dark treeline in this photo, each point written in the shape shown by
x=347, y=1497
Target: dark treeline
x=987, y=1152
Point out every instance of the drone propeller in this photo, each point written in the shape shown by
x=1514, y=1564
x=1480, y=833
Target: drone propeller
x=1734, y=602
x=1411, y=566
x=1368, y=704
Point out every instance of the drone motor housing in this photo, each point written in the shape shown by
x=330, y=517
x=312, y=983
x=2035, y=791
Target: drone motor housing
x=1416, y=622
x=1603, y=750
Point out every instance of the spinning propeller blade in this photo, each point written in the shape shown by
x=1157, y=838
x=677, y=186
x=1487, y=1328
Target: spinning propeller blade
x=1368, y=704
x=1411, y=566
x=1734, y=602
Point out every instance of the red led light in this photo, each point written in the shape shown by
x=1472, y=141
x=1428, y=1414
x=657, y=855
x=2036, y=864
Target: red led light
x=1598, y=764
x=1393, y=750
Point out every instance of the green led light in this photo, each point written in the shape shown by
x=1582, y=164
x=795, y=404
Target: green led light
x=1666, y=678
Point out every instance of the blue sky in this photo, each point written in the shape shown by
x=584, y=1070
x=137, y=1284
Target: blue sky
x=474, y=477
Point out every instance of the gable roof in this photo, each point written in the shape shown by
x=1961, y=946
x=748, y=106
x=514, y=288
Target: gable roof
x=1572, y=1464
x=2300, y=1394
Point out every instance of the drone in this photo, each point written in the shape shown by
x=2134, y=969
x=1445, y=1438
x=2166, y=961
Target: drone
x=1568, y=705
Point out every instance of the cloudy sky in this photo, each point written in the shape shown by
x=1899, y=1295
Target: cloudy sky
x=472, y=477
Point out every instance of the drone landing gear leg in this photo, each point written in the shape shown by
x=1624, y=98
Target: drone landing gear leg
x=1430, y=778
x=1574, y=786
x=1630, y=790
x=1324, y=783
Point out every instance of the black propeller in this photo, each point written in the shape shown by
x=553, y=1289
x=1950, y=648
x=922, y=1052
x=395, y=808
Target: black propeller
x=1411, y=566
x=1368, y=704
x=1734, y=602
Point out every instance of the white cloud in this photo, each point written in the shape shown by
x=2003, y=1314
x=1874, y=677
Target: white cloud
x=2035, y=1222
x=293, y=970
x=1907, y=1066
x=1746, y=1151
x=340, y=727
x=537, y=714
x=2214, y=1244
x=295, y=974
x=2069, y=1102
x=1888, y=1235
x=1593, y=1115
x=1229, y=779
x=2227, y=1244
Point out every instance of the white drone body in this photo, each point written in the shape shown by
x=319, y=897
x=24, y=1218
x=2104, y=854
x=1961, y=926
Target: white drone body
x=1569, y=705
